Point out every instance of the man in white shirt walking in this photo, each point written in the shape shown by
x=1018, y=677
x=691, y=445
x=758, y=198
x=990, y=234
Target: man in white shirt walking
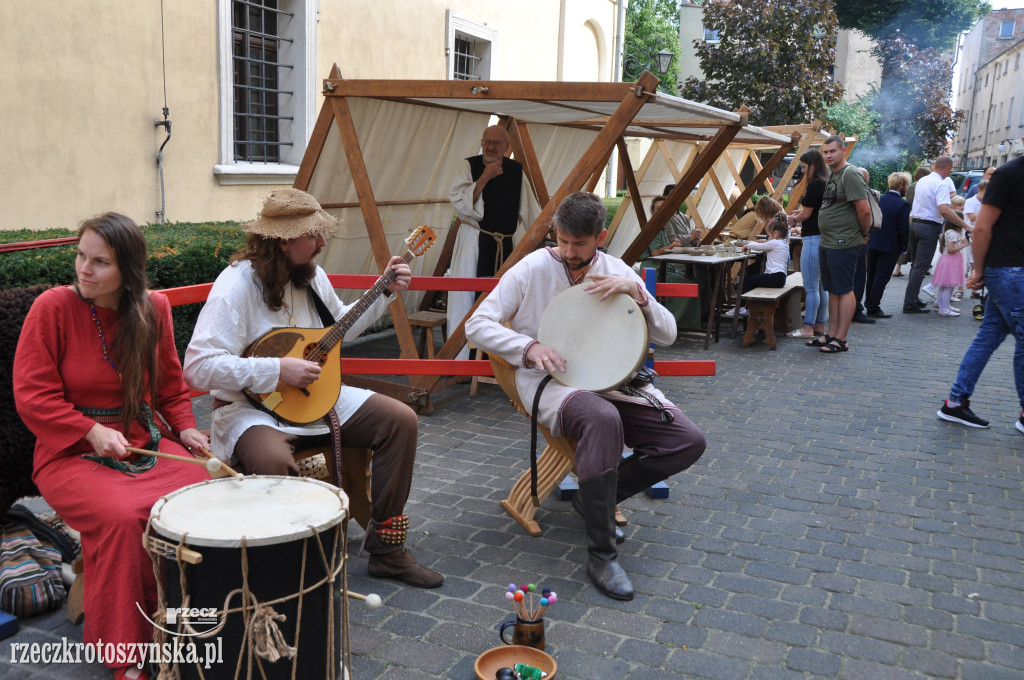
x=930, y=208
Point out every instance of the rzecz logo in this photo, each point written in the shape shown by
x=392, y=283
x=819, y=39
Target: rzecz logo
x=200, y=620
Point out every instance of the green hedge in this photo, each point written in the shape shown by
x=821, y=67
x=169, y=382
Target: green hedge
x=180, y=254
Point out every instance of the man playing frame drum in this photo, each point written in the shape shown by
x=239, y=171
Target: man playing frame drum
x=274, y=282
x=664, y=441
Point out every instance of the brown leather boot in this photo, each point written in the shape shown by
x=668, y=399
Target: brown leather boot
x=385, y=541
x=402, y=566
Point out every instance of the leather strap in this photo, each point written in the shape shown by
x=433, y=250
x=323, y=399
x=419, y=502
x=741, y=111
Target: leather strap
x=533, y=440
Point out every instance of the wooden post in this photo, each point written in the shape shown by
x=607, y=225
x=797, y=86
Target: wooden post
x=374, y=227
x=631, y=184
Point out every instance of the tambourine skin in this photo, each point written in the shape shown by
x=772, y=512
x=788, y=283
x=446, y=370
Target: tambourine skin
x=603, y=342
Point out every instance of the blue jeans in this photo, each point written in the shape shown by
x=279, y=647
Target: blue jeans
x=1004, y=314
x=816, y=305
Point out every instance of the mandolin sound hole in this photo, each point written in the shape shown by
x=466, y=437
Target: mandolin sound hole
x=314, y=353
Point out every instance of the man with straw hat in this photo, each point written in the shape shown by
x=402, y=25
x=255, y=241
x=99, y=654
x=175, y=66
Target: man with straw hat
x=274, y=282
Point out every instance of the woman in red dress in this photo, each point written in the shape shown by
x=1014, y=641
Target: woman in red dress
x=95, y=371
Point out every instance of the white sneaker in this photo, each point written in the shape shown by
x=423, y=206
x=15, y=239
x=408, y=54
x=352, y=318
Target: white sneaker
x=949, y=313
x=930, y=289
x=732, y=312
x=957, y=297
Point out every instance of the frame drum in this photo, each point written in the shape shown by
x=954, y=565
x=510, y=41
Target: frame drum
x=603, y=343
x=284, y=521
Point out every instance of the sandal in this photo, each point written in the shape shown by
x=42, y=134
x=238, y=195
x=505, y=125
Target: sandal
x=820, y=342
x=834, y=346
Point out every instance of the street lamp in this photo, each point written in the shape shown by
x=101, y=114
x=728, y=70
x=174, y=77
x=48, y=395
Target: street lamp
x=633, y=65
x=664, y=58
x=1002, y=147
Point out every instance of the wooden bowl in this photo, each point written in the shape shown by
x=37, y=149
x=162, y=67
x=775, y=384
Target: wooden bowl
x=507, y=656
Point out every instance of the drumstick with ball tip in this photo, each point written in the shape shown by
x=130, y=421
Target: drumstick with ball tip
x=227, y=468
x=372, y=600
x=212, y=465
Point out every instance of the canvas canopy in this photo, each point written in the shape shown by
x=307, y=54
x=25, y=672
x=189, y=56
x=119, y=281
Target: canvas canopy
x=384, y=153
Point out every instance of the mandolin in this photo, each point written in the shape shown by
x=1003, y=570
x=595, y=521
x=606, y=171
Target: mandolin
x=302, y=406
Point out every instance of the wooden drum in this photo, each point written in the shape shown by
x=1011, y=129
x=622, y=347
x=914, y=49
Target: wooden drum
x=258, y=565
x=603, y=343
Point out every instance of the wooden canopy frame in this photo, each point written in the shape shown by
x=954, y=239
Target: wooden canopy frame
x=609, y=111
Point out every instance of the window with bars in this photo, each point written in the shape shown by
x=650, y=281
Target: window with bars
x=465, y=59
x=257, y=46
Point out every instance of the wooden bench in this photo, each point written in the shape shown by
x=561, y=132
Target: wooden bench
x=771, y=309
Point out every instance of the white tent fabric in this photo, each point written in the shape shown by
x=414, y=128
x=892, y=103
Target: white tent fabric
x=411, y=154
x=411, y=145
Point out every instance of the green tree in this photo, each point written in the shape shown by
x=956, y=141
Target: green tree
x=929, y=23
x=773, y=56
x=912, y=101
x=853, y=118
x=651, y=26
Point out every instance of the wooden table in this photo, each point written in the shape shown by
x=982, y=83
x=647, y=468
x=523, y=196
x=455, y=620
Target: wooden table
x=717, y=266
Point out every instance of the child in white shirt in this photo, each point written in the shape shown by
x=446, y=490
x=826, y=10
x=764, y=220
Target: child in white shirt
x=776, y=266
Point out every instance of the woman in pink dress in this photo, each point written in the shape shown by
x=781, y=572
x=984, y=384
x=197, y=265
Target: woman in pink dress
x=96, y=371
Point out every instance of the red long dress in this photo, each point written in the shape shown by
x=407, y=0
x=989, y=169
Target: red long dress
x=58, y=365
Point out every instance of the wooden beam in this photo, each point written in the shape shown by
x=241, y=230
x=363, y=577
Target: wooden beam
x=315, y=147
x=697, y=169
x=371, y=217
x=805, y=138
x=596, y=176
x=522, y=147
x=747, y=192
x=397, y=201
x=484, y=90
x=630, y=104
x=634, y=188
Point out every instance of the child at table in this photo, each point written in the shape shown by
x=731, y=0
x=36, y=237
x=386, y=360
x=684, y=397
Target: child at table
x=776, y=265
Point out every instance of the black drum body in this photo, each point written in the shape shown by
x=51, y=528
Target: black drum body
x=295, y=568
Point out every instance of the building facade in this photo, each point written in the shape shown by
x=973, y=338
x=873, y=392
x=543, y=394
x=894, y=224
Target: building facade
x=194, y=110
x=991, y=91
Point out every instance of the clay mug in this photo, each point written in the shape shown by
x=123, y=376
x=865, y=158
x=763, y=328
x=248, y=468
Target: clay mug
x=524, y=632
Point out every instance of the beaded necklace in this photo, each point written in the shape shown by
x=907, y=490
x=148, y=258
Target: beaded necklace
x=99, y=329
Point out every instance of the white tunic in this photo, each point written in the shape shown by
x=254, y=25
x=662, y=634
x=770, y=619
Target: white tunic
x=466, y=250
x=519, y=300
x=234, y=316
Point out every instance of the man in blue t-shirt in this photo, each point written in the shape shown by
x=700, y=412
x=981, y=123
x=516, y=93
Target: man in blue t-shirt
x=998, y=247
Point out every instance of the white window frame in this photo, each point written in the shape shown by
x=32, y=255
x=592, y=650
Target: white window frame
x=1002, y=25
x=456, y=23
x=715, y=38
x=302, y=105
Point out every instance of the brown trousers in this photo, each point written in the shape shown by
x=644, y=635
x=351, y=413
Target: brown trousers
x=385, y=425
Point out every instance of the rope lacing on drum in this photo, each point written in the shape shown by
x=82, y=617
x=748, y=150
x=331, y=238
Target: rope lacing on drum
x=262, y=636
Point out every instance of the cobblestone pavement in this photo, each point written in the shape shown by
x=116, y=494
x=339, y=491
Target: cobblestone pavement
x=835, y=528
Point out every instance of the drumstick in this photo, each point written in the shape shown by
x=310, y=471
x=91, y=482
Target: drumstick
x=227, y=468
x=212, y=465
x=372, y=600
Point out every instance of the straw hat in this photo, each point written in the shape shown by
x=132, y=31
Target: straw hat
x=289, y=213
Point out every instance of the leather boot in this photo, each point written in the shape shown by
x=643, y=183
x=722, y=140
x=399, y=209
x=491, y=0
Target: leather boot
x=598, y=505
x=577, y=505
x=385, y=541
x=635, y=477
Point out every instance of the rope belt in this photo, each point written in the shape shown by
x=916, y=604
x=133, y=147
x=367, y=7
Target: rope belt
x=499, y=238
